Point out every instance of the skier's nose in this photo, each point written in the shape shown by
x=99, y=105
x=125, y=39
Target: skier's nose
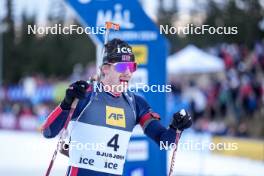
x=127, y=71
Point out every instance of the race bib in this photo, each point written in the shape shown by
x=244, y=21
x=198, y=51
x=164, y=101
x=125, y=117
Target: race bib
x=98, y=148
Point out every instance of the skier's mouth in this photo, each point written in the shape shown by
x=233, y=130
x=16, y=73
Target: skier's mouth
x=123, y=80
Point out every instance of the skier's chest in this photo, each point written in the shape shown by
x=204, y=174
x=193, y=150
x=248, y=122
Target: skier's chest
x=109, y=112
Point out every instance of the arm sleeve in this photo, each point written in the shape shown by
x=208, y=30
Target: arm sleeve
x=55, y=122
x=57, y=118
x=159, y=133
x=149, y=121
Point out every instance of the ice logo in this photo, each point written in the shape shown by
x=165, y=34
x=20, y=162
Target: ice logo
x=124, y=50
x=117, y=16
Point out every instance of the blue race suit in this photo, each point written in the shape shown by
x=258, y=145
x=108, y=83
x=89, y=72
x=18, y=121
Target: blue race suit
x=105, y=124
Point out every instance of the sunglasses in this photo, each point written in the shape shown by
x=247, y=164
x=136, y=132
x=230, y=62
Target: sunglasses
x=121, y=67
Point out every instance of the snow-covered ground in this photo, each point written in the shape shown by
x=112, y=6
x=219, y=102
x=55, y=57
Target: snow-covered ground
x=206, y=163
x=198, y=164
x=25, y=153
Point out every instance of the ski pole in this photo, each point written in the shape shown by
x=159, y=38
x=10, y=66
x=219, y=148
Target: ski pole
x=73, y=106
x=108, y=26
x=178, y=135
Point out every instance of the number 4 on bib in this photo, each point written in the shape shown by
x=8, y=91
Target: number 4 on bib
x=113, y=142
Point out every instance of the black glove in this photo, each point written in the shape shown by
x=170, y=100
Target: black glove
x=181, y=120
x=75, y=90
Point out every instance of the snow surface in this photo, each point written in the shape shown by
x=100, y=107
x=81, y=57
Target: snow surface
x=27, y=153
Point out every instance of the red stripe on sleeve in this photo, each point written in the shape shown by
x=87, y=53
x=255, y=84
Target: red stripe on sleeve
x=74, y=171
x=55, y=113
x=148, y=116
x=144, y=119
